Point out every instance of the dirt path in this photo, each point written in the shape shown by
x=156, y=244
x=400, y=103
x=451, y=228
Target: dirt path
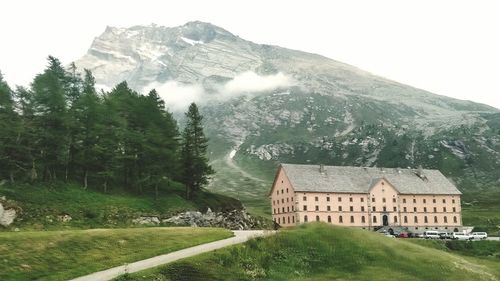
x=240, y=236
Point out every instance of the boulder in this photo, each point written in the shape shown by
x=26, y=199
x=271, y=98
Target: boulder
x=7, y=216
x=64, y=218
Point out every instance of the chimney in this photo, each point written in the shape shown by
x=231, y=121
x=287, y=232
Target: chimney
x=321, y=168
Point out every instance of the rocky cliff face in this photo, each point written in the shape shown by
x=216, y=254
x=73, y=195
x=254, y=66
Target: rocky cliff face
x=265, y=104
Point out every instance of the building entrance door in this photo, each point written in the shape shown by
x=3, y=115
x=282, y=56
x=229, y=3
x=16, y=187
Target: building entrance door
x=385, y=220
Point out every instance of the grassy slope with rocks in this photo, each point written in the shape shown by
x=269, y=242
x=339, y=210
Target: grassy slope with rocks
x=59, y=255
x=41, y=205
x=325, y=252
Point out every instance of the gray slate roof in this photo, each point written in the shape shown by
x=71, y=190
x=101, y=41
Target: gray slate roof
x=345, y=179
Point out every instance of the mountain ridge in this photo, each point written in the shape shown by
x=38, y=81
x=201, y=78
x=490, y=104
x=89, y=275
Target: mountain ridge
x=267, y=104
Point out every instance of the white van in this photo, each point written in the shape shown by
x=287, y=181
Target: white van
x=479, y=235
x=460, y=236
x=430, y=234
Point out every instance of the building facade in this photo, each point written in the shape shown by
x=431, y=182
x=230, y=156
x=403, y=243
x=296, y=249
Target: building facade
x=368, y=198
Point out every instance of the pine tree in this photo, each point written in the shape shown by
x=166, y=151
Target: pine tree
x=195, y=167
x=9, y=122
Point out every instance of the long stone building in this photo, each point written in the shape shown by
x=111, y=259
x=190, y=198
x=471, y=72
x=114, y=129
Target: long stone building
x=369, y=198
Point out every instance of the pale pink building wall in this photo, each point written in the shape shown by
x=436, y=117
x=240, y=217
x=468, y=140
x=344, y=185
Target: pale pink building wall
x=356, y=209
x=282, y=200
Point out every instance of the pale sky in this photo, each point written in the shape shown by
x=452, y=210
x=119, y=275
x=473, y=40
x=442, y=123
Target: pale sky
x=450, y=48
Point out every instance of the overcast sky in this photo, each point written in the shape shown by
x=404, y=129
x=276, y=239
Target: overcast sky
x=446, y=47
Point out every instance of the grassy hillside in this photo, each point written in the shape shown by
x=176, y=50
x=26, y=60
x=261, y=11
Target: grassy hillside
x=325, y=252
x=482, y=209
x=40, y=206
x=59, y=255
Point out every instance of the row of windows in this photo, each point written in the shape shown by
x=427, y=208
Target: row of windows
x=277, y=211
x=282, y=191
x=283, y=200
x=316, y=198
x=280, y=221
x=363, y=220
x=374, y=209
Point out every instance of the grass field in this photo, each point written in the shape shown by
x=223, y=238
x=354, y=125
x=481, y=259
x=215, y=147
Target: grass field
x=41, y=205
x=59, y=255
x=482, y=210
x=325, y=252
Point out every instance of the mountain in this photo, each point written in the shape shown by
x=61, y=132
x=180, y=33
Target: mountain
x=267, y=104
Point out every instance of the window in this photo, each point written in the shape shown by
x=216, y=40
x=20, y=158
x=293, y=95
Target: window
x=415, y=219
x=455, y=219
x=453, y=201
x=394, y=209
x=444, y=209
x=283, y=209
x=435, y=219
x=406, y=219
x=362, y=199
x=305, y=218
x=274, y=211
x=279, y=220
x=317, y=218
x=340, y=199
x=383, y=200
x=445, y=219
x=282, y=200
x=362, y=208
x=435, y=210
x=304, y=198
x=414, y=209
x=305, y=208
x=340, y=219
x=316, y=199
x=287, y=192
x=293, y=208
x=395, y=219
x=444, y=201
x=287, y=199
x=352, y=219
x=375, y=219
x=328, y=208
x=414, y=200
x=329, y=219
x=293, y=219
x=277, y=192
x=328, y=199
x=374, y=209
x=404, y=209
x=425, y=209
x=340, y=208
x=373, y=199
x=425, y=219
x=350, y=199
x=288, y=209
x=351, y=208
x=282, y=191
x=404, y=200
x=393, y=200
x=384, y=208
x=424, y=201
x=363, y=219
x=317, y=208
x=288, y=219
x=433, y=200
x=454, y=209
x=273, y=202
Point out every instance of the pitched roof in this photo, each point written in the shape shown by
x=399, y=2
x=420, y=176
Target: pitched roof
x=347, y=179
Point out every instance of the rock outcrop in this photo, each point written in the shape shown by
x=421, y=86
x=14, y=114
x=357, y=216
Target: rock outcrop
x=235, y=219
x=7, y=215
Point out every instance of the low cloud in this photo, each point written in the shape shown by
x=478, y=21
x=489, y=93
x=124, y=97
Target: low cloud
x=250, y=82
x=178, y=96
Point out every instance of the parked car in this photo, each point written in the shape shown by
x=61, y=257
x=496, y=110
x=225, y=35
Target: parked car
x=389, y=235
x=431, y=234
x=403, y=235
x=460, y=236
x=444, y=235
x=479, y=235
